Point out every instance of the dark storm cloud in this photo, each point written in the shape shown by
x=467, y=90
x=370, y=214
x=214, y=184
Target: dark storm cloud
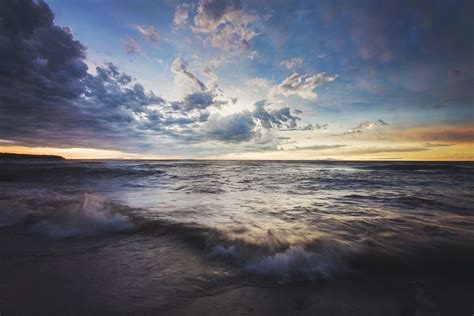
x=41, y=72
x=113, y=89
x=35, y=52
x=47, y=97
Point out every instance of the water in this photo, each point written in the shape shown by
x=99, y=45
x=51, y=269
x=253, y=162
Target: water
x=138, y=236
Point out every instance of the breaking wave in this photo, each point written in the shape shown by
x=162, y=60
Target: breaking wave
x=276, y=254
x=59, y=216
x=292, y=264
x=296, y=263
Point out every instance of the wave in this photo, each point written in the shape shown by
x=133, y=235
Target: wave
x=59, y=216
x=296, y=263
x=292, y=264
x=56, y=215
x=278, y=254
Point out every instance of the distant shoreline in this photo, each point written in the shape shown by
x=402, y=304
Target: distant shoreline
x=15, y=156
x=30, y=157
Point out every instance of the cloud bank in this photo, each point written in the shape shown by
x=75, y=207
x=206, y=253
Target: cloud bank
x=48, y=97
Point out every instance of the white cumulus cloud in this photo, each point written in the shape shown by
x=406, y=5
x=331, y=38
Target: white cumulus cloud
x=302, y=85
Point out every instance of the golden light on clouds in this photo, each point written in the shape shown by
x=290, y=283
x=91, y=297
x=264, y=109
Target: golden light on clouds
x=443, y=133
x=381, y=151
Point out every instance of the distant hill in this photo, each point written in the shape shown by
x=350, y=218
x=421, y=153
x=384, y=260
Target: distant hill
x=30, y=157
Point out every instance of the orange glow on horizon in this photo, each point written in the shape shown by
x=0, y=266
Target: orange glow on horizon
x=455, y=152
x=80, y=153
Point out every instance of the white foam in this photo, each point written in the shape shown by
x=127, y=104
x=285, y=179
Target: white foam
x=93, y=216
x=293, y=263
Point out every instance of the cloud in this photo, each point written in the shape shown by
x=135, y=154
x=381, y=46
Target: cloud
x=199, y=101
x=364, y=126
x=225, y=24
x=236, y=127
x=112, y=89
x=282, y=118
x=275, y=118
x=181, y=15
x=197, y=94
x=403, y=47
x=446, y=133
x=258, y=85
x=150, y=33
x=132, y=47
x=292, y=63
x=121, y=104
x=42, y=67
x=376, y=150
x=47, y=97
x=431, y=145
x=302, y=85
x=312, y=127
x=410, y=30
x=185, y=79
x=211, y=75
x=367, y=125
x=241, y=131
x=257, y=129
x=317, y=147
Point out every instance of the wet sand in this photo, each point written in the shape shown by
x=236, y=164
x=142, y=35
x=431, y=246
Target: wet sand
x=352, y=296
x=146, y=275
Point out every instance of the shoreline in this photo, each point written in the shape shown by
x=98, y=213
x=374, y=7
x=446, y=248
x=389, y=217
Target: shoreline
x=339, y=296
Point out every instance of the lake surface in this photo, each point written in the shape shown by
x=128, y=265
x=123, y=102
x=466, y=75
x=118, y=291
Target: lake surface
x=157, y=236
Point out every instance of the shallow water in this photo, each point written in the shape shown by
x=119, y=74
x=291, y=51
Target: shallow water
x=140, y=235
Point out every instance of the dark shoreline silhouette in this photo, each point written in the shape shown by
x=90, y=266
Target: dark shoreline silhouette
x=30, y=157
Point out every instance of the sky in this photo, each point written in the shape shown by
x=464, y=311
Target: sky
x=236, y=79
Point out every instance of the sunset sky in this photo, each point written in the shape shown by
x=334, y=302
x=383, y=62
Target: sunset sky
x=238, y=79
